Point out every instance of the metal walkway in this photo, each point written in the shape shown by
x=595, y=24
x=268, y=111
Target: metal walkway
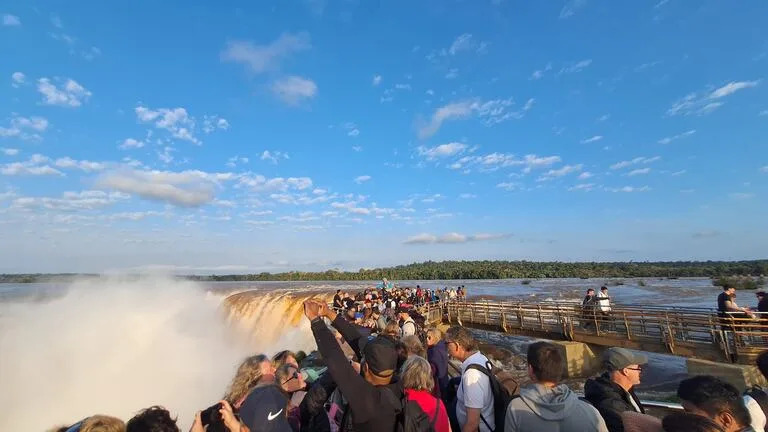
x=688, y=332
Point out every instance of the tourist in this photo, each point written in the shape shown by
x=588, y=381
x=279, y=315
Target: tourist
x=719, y=401
x=728, y=309
x=762, y=308
x=414, y=346
x=337, y=303
x=408, y=325
x=381, y=320
x=546, y=405
x=437, y=355
x=348, y=301
x=372, y=406
x=474, y=398
x=291, y=382
x=604, y=306
x=152, y=419
x=96, y=423
x=687, y=422
x=612, y=392
x=416, y=376
x=252, y=372
x=588, y=308
x=284, y=357
x=313, y=416
x=264, y=410
x=392, y=330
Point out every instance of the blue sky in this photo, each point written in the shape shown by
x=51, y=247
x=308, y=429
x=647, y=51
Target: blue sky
x=278, y=135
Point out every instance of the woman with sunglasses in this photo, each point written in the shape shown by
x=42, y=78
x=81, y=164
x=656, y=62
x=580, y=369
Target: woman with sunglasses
x=291, y=382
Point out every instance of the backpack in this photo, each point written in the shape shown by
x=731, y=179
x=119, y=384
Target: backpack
x=412, y=418
x=504, y=388
x=760, y=396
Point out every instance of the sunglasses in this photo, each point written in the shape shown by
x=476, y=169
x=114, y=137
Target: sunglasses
x=293, y=377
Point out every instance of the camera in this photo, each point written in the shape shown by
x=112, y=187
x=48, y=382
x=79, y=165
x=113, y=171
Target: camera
x=211, y=415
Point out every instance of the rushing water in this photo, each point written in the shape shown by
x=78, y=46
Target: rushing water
x=152, y=338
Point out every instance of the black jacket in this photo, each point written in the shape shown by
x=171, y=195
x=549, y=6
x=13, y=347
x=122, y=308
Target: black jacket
x=611, y=400
x=372, y=408
x=312, y=408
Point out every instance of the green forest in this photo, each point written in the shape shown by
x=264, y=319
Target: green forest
x=431, y=270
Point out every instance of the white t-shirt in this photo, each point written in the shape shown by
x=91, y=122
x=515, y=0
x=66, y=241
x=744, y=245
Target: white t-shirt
x=605, y=303
x=756, y=413
x=475, y=392
x=409, y=327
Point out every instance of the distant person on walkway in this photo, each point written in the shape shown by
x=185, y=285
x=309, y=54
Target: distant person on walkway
x=714, y=398
x=545, y=405
x=604, y=307
x=337, y=304
x=612, y=392
x=762, y=307
x=588, y=308
x=729, y=310
x=474, y=397
x=409, y=325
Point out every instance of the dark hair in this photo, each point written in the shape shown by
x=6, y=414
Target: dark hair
x=687, y=422
x=546, y=361
x=338, y=291
x=714, y=396
x=152, y=419
x=603, y=288
x=590, y=289
x=762, y=363
x=402, y=353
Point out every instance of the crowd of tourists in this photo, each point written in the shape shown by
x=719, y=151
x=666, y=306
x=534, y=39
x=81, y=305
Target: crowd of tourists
x=380, y=369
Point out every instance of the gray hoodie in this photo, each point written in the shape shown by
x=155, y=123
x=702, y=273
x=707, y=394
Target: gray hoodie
x=558, y=409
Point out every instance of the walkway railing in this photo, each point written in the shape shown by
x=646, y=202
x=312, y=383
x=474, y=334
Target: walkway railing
x=689, y=332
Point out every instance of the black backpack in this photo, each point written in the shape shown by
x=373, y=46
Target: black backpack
x=411, y=418
x=504, y=388
x=761, y=397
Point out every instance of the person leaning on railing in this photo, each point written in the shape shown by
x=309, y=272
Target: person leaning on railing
x=729, y=310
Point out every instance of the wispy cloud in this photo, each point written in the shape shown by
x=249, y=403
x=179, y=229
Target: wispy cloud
x=635, y=161
x=130, y=143
x=177, y=121
x=36, y=165
x=11, y=20
x=25, y=128
x=376, y=80
x=9, y=151
x=494, y=161
x=702, y=103
x=362, y=179
x=667, y=140
x=556, y=173
x=467, y=196
x=452, y=237
x=17, y=79
x=575, y=67
x=764, y=169
x=586, y=187
x=261, y=58
x=539, y=73
x=272, y=156
x=185, y=189
x=442, y=150
x=638, y=171
x=629, y=189
x=294, y=90
x=70, y=94
x=491, y=112
x=741, y=195
x=592, y=139
x=571, y=7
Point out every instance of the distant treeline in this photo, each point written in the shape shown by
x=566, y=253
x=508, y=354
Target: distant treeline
x=431, y=270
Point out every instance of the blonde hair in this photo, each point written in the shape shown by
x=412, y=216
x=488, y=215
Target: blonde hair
x=392, y=329
x=436, y=334
x=247, y=376
x=102, y=423
x=414, y=346
x=416, y=374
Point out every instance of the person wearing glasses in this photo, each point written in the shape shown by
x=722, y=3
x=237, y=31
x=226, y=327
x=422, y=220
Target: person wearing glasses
x=612, y=392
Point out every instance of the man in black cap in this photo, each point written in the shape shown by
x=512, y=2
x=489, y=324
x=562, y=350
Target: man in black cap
x=374, y=402
x=611, y=393
x=264, y=410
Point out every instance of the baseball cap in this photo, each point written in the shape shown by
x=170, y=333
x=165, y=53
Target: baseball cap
x=264, y=410
x=380, y=355
x=619, y=358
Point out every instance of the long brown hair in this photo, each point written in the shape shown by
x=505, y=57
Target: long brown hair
x=247, y=376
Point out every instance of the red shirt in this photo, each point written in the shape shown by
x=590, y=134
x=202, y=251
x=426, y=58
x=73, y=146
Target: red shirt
x=427, y=403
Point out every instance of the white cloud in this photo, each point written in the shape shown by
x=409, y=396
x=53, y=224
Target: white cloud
x=185, y=189
x=764, y=169
x=213, y=123
x=70, y=94
x=259, y=183
x=9, y=151
x=357, y=148
x=452, y=73
x=585, y=175
x=741, y=195
x=234, y=160
x=635, y=161
x=494, y=161
x=294, y=89
x=177, y=121
x=702, y=103
x=763, y=113
x=467, y=196
x=82, y=165
x=508, y=186
x=629, y=189
x=604, y=117
x=592, y=139
x=571, y=7
x=667, y=140
x=71, y=201
x=131, y=143
x=25, y=128
x=575, y=67
x=465, y=42
x=452, y=237
x=678, y=173
x=539, y=73
x=362, y=179
x=639, y=171
x=36, y=165
x=442, y=150
x=491, y=112
x=261, y=58
x=11, y=20
x=555, y=173
x=586, y=187
x=376, y=80
x=273, y=156
x=18, y=79
x=351, y=129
